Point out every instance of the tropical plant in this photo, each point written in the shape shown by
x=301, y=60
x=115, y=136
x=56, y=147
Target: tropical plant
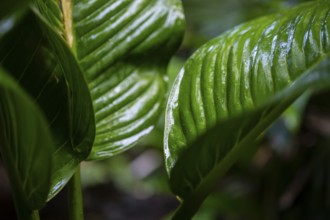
x=77, y=74
x=232, y=89
x=85, y=80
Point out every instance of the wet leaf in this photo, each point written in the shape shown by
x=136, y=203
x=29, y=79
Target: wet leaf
x=123, y=48
x=235, y=86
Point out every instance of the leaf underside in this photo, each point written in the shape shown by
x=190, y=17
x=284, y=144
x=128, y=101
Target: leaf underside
x=236, y=85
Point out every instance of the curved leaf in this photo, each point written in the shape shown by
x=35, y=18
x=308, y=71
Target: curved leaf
x=23, y=131
x=235, y=86
x=123, y=48
x=48, y=71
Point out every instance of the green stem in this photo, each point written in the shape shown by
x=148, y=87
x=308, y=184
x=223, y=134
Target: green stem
x=35, y=215
x=75, y=197
x=192, y=203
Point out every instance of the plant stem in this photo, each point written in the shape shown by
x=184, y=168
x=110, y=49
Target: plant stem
x=75, y=197
x=67, y=15
x=35, y=215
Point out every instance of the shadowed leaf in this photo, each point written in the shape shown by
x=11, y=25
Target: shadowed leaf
x=48, y=71
x=23, y=131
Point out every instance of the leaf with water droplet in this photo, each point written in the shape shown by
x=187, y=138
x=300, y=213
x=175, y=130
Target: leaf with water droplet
x=234, y=87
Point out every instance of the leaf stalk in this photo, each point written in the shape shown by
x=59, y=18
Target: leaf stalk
x=75, y=202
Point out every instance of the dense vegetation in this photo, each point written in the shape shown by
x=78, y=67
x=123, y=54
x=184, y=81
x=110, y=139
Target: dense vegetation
x=86, y=80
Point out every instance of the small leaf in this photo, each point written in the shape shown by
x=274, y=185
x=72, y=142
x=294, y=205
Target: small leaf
x=235, y=86
x=23, y=131
x=123, y=48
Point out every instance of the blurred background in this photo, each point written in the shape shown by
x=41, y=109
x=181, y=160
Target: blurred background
x=286, y=177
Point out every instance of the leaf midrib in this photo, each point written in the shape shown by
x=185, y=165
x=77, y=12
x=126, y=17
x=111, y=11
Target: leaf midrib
x=68, y=22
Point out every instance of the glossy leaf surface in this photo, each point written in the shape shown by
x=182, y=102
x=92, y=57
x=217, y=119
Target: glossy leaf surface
x=23, y=131
x=123, y=48
x=235, y=86
x=48, y=71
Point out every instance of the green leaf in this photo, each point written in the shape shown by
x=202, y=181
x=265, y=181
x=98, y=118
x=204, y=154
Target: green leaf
x=23, y=131
x=123, y=48
x=44, y=66
x=50, y=9
x=234, y=87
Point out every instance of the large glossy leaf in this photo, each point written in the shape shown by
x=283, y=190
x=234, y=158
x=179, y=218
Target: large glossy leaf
x=44, y=66
x=235, y=86
x=24, y=137
x=124, y=48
